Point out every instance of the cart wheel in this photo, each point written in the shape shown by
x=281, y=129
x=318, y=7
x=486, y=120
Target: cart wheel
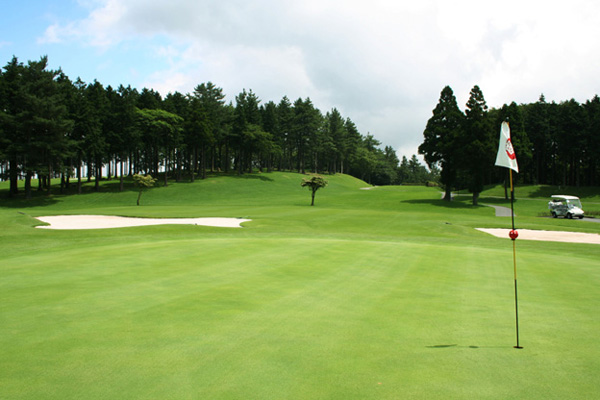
x=569, y=215
x=581, y=217
x=554, y=214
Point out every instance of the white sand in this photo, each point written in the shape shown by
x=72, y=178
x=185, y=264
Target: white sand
x=552, y=236
x=107, y=221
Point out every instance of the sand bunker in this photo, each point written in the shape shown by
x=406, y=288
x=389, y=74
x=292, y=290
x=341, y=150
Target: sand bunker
x=552, y=236
x=107, y=221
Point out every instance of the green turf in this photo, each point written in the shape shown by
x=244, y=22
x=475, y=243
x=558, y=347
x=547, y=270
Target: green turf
x=386, y=293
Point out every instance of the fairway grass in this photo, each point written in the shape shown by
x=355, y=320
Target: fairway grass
x=388, y=293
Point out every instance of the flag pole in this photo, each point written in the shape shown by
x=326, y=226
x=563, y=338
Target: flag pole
x=507, y=158
x=513, y=235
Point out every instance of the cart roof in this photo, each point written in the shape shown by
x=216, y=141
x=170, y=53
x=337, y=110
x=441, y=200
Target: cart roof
x=560, y=196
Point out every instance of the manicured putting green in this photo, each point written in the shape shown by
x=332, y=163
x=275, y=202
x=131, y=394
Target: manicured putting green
x=380, y=294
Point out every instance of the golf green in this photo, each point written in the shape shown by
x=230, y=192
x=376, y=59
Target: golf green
x=371, y=294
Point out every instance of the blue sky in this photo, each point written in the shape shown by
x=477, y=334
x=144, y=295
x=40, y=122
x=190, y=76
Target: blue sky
x=382, y=63
x=25, y=34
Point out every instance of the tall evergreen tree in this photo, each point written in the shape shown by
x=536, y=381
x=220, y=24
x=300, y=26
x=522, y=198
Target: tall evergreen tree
x=247, y=129
x=537, y=122
x=571, y=141
x=149, y=99
x=351, y=144
x=477, y=150
x=95, y=139
x=208, y=118
x=306, y=123
x=42, y=123
x=441, y=143
x=285, y=118
x=336, y=145
x=129, y=134
x=68, y=95
x=592, y=142
x=179, y=104
x=270, y=119
x=12, y=98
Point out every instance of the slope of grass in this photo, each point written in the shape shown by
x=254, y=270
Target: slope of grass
x=384, y=293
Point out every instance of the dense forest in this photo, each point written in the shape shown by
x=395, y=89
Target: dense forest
x=555, y=143
x=53, y=127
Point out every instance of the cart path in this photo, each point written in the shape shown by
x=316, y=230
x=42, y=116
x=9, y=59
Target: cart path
x=500, y=210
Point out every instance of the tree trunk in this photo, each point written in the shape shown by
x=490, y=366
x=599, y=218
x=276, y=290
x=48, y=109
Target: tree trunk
x=195, y=163
x=448, y=194
x=28, y=176
x=63, y=182
x=226, y=165
x=139, y=196
x=312, y=203
x=79, y=177
x=98, y=175
x=166, y=183
x=203, y=160
x=121, y=178
x=130, y=164
x=179, y=157
x=49, y=178
x=240, y=162
x=475, y=198
x=212, y=159
x=14, y=178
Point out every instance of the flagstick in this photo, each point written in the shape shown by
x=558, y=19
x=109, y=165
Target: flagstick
x=513, y=236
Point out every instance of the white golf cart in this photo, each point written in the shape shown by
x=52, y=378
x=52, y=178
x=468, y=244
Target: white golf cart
x=565, y=206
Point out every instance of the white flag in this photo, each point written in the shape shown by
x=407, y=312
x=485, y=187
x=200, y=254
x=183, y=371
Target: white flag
x=506, y=153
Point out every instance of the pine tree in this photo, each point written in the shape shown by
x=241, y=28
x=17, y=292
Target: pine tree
x=442, y=139
x=477, y=151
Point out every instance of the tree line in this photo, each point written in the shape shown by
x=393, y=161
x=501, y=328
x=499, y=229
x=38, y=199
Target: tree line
x=555, y=143
x=51, y=126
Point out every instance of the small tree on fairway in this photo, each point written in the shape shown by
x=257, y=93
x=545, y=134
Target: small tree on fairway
x=314, y=183
x=143, y=182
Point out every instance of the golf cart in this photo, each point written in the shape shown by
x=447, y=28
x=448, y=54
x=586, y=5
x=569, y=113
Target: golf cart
x=565, y=206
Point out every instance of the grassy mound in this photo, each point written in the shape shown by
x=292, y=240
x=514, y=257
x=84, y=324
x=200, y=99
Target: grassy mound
x=384, y=293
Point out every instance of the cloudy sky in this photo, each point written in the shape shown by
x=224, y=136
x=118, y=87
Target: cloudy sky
x=381, y=63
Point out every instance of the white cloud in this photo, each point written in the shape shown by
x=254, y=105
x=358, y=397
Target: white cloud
x=381, y=63
x=101, y=28
x=55, y=34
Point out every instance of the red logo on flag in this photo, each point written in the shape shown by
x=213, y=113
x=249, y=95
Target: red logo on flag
x=510, y=151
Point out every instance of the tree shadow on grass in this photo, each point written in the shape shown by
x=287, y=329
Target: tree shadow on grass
x=253, y=176
x=19, y=201
x=42, y=198
x=446, y=346
x=441, y=203
x=211, y=175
